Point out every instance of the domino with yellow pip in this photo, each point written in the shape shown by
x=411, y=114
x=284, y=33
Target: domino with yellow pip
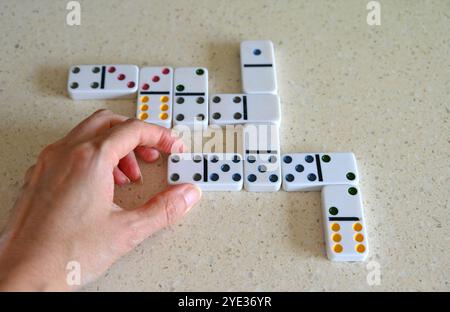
x=344, y=225
x=154, y=103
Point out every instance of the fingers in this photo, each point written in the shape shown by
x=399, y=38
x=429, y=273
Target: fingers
x=147, y=154
x=168, y=206
x=123, y=135
x=128, y=135
x=129, y=166
x=128, y=169
x=160, y=211
x=119, y=177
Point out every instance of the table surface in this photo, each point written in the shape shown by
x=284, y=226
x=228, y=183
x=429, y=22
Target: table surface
x=381, y=92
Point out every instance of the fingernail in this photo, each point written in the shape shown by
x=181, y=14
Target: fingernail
x=192, y=195
x=157, y=154
x=140, y=180
x=125, y=181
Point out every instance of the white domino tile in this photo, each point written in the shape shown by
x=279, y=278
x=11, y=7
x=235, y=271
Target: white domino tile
x=92, y=82
x=344, y=226
x=261, y=149
x=210, y=171
x=312, y=171
x=258, y=67
x=191, y=96
x=154, y=102
x=229, y=109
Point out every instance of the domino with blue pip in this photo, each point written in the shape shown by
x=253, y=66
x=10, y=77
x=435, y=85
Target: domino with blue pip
x=312, y=171
x=209, y=171
x=261, y=148
x=258, y=67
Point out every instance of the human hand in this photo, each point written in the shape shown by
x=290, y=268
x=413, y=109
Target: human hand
x=66, y=212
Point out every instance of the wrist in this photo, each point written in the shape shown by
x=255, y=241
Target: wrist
x=26, y=275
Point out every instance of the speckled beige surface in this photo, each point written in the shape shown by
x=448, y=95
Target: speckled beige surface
x=381, y=92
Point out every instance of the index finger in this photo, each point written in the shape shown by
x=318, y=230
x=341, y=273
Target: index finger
x=126, y=136
x=95, y=124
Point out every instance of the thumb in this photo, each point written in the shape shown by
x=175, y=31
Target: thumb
x=162, y=210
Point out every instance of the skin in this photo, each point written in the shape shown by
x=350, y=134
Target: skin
x=65, y=211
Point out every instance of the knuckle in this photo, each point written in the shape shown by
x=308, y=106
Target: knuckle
x=166, y=142
x=171, y=207
x=28, y=175
x=134, y=122
x=104, y=147
x=47, y=153
x=168, y=208
x=102, y=112
x=82, y=152
x=29, y=171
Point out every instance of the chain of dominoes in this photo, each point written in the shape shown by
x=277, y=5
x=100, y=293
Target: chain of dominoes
x=171, y=97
